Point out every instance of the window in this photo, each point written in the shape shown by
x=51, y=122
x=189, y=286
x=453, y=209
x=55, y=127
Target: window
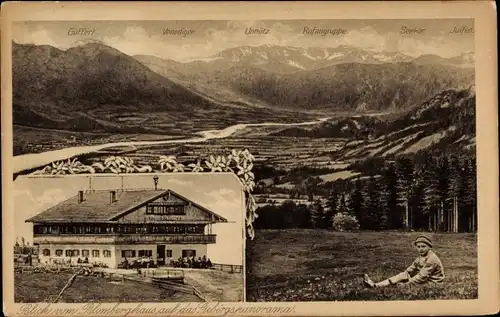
x=141, y=230
x=106, y=253
x=46, y=252
x=145, y=253
x=165, y=210
x=59, y=252
x=68, y=253
x=85, y=253
x=128, y=253
x=176, y=210
x=95, y=253
x=76, y=252
x=169, y=253
x=200, y=228
x=188, y=253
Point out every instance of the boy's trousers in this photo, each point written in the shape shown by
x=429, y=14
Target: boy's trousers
x=401, y=277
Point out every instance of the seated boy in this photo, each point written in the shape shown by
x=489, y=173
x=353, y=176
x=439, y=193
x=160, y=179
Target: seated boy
x=427, y=268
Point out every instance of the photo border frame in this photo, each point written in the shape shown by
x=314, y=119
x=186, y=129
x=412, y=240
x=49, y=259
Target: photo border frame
x=484, y=14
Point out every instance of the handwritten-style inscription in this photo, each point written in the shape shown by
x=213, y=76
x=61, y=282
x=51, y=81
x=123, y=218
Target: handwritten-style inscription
x=323, y=32
x=256, y=31
x=181, y=32
x=461, y=30
x=81, y=32
x=143, y=309
x=408, y=30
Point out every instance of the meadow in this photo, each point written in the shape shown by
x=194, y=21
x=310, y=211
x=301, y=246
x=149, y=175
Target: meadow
x=322, y=265
x=39, y=287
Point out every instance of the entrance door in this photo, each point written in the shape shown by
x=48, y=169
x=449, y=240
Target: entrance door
x=160, y=250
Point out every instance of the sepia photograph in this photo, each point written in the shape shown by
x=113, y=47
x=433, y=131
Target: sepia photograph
x=352, y=138
x=227, y=164
x=134, y=238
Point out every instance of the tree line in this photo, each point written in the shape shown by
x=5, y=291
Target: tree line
x=423, y=192
x=23, y=247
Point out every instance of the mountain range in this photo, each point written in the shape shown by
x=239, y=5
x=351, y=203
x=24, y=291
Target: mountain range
x=62, y=89
x=289, y=59
x=93, y=87
x=444, y=122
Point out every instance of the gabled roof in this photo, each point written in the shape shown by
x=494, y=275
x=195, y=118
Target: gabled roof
x=97, y=207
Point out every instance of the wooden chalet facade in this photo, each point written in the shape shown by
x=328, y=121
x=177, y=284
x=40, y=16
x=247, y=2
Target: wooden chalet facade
x=108, y=226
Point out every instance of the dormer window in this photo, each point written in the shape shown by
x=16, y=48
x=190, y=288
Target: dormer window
x=159, y=209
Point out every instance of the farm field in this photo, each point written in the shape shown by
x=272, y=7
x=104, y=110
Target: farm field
x=320, y=265
x=142, y=127
x=279, y=152
x=36, y=140
x=33, y=288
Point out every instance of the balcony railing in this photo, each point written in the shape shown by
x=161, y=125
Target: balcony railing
x=68, y=239
x=173, y=239
x=125, y=238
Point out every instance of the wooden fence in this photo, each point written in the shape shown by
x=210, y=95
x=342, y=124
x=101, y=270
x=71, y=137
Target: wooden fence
x=228, y=268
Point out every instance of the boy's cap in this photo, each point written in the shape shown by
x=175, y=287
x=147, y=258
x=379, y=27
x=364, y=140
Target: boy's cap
x=423, y=238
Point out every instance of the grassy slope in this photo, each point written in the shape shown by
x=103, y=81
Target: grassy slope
x=217, y=285
x=313, y=265
x=31, y=288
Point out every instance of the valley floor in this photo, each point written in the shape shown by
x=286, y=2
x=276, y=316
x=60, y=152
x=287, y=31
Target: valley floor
x=320, y=265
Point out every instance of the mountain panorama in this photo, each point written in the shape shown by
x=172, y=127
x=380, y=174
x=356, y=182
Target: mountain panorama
x=84, y=87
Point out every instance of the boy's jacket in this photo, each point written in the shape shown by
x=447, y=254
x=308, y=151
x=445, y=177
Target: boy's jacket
x=426, y=269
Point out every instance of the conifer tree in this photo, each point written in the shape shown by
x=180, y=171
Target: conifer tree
x=452, y=212
x=430, y=195
x=375, y=216
x=405, y=187
x=468, y=194
x=318, y=215
x=389, y=196
x=354, y=201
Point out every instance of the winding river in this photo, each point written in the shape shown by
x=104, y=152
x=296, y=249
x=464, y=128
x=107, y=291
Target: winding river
x=35, y=160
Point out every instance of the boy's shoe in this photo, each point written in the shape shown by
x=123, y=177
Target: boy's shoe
x=368, y=282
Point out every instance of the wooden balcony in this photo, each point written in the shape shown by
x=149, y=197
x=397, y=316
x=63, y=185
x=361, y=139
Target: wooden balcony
x=125, y=239
x=73, y=239
x=167, y=239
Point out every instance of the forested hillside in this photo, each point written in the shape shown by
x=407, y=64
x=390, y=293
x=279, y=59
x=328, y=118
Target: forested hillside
x=416, y=171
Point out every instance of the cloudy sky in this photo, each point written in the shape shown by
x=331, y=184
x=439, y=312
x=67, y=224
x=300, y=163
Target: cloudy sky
x=219, y=192
x=211, y=37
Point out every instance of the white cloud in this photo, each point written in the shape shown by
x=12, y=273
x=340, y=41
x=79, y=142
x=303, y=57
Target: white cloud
x=47, y=198
x=208, y=42
x=175, y=181
x=36, y=37
x=224, y=194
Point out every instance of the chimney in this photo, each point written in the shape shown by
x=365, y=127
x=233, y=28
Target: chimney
x=80, y=196
x=112, y=196
x=155, y=179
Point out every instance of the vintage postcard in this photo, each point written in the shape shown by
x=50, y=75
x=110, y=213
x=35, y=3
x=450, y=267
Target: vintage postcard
x=250, y=159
